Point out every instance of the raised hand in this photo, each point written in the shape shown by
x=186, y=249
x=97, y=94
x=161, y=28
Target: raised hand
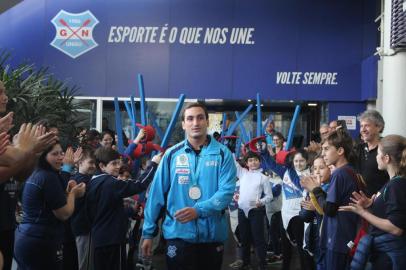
x=310, y=182
x=6, y=122
x=140, y=136
x=34, y=139
x=314, y=147
x=362, y=199
x=270, y=150
x=77, y=155
x=69, y=158
x=4, y=142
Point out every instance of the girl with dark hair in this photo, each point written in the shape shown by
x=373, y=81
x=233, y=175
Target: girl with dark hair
x=292, y=195
x=46, y=205
x=107, y=139
x=385, y=245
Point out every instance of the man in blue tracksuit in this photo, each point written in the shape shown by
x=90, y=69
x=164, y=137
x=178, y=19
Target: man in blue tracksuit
x=194, y=184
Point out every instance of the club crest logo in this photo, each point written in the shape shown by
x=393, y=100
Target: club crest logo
x=74, y=32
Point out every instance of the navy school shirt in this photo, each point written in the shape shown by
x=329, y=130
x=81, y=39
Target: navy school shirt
x=390, y=204
x=43, y=192
x=338, y=230
x=8, y=202
x=105, y=206
x=79, y=221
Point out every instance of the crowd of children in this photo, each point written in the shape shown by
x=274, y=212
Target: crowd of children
x=83, y=205
x=324, y=211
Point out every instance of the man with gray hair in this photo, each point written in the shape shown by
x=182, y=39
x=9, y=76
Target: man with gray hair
x=371, y=126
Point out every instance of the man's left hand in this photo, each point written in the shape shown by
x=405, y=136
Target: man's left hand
x=186, y=214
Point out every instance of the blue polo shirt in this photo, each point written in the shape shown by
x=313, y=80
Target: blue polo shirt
x=43, y=193
x=337, y=231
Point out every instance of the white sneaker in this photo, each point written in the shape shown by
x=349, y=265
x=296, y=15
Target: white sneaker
x=237, y=264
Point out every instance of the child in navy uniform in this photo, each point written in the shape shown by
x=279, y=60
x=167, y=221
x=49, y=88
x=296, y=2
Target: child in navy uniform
x=106, y=209
x=79, y=221
x=338, y=228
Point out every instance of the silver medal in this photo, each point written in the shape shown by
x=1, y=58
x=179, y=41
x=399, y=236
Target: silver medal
x=195, y=193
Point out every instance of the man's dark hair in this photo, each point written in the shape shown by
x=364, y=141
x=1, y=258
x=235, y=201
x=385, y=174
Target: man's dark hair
x=193, y=105
x=105, y=155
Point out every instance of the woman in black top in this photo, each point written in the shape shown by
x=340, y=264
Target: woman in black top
x=385, y=211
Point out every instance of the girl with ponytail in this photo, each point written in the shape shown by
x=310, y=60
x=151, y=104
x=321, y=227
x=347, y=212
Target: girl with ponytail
x=385, y=245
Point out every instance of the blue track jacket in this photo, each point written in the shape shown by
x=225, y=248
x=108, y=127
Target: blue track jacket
x=216, y=173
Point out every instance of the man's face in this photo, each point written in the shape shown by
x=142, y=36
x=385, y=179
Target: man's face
x=369, y=130
x=195, y=123
x=333, y=126
x=3, y=98
x=324, y=132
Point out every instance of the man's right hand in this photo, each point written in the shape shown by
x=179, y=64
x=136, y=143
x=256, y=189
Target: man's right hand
x=146, y=248
x=34, y=139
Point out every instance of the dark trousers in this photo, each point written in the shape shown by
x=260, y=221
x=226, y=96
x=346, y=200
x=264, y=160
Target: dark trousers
x=133, y=241
x=252, y=232
x=276, y=227
x=331, y=260
x=296, y=234
x=182, y=255
x=32, y=253
x=70, y=256
x=110, y=258
x=6, y=247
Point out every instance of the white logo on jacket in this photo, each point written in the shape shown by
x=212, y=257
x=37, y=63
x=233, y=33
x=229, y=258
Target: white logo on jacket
x=182, y=161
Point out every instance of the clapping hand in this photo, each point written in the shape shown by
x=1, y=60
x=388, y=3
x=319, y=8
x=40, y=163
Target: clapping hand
x=34, y=138
x=359, y=203
x=310, y=182
x=307, y=205
x=78, y=190
x=4, y=142
x=6, y=122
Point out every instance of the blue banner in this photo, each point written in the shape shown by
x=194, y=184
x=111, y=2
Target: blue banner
x=291, y=49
